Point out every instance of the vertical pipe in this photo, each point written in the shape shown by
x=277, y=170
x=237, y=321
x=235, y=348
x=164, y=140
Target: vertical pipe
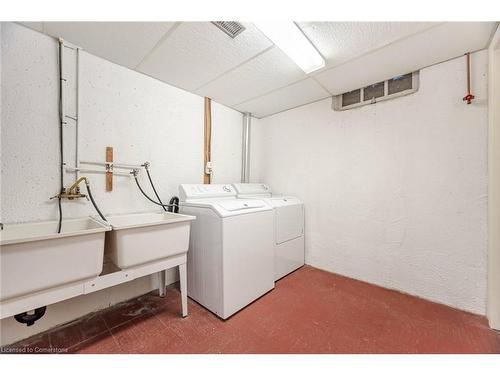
x=468, y=98
x=245, y=159
x=77, y=115
x=207, y=147
x=62, y=112
x=61, y=125
x=468, y=72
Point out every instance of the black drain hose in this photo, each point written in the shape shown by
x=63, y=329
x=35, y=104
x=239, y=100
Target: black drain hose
x=153, y=186
x=174, y=201
x=87, y=185
x=174, y=206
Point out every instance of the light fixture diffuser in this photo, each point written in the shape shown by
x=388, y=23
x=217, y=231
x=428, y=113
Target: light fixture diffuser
x=290, y=39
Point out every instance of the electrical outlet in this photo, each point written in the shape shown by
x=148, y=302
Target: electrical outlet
x=208, y=168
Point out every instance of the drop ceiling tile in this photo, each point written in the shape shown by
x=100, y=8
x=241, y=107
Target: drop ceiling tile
x=125, y=43
x=432, y=46
x=342, y=41
x=251, y=74
x=198, y=52
x=267, y=72
x=38, y=26
x=300, y=93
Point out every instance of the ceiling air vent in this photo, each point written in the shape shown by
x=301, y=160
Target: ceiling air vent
x=231, y=28
x=392, y=88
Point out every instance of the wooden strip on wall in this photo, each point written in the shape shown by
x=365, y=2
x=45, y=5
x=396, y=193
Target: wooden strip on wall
x=109, y=175
x=207, y=148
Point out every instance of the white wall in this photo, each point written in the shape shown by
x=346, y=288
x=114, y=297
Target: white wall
x=227, y=133
x=396, y=192
x=494, y=182
x=142, y=118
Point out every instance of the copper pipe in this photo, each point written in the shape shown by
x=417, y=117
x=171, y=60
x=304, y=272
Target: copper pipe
x=468, y=98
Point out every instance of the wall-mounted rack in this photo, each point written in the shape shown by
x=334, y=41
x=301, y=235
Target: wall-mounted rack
x=87, y=170
x=109, y=168
x=115, y=165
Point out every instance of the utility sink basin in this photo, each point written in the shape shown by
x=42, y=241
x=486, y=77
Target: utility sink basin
x=146, y=237
x=34, y=257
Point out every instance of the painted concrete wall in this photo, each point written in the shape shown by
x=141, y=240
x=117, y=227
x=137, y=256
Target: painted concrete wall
x=395, y=192
x=142, y=118
x=494, y=182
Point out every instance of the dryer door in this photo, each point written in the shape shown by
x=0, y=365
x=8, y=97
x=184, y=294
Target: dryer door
x=289, y=222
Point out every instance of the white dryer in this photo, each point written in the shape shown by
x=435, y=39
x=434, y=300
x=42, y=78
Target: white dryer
x=288, y=226
x=230, y=257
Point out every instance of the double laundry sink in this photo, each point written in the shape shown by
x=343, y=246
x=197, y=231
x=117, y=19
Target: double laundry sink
x=35, y=258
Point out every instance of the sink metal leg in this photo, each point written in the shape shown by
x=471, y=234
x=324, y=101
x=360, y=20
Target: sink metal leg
x=183, y=282
x=161, y=283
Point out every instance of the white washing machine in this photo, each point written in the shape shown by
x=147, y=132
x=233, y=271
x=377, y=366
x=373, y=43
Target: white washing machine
x=288, y=224
x=230, y=257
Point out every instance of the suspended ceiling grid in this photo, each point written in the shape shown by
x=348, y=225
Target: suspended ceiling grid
x=250, y=74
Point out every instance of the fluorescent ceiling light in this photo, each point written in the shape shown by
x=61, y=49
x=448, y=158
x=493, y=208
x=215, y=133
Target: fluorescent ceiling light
x=290, y=39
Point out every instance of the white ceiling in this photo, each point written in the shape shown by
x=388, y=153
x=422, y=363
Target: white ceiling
x=250, y=74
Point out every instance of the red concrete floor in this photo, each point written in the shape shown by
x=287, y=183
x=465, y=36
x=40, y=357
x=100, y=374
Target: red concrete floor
x=309, y=311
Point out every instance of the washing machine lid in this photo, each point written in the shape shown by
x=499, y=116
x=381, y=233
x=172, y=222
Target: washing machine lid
x=252, y=189
x=241, y=204
x=205, y=191
x=225, y=207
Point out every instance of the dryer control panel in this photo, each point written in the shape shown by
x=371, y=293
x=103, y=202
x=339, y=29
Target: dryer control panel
x=252, y=188
x=202, y=191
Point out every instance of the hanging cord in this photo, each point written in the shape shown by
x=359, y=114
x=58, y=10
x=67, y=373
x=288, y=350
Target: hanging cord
x=87, y=185
x=59, y=225
x=134, y=173
x=146, y=166
x=61, y=187
x=173, y=205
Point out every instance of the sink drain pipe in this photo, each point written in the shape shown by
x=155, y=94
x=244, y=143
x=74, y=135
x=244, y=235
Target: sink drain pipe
x=174, y=203
x=30, y=319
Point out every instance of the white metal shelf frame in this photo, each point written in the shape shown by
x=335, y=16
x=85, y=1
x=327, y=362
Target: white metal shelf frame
x=50, y=296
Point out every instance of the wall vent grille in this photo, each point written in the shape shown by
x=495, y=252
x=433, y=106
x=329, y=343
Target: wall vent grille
x=392, y=88
x=231, y=28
